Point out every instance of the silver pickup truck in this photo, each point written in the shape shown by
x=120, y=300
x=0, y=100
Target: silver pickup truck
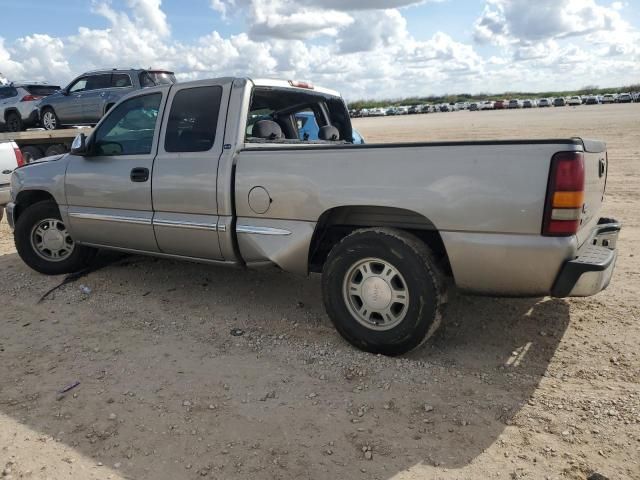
x=219, y=171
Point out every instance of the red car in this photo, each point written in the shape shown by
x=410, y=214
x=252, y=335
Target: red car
x=500, y=104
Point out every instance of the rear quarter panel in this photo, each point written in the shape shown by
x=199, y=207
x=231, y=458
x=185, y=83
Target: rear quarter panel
x=486, y=200
x=497, y=188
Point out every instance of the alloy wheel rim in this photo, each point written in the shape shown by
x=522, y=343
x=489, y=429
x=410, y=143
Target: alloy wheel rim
x=51, y=240
x=376, y=294
x=49, y=121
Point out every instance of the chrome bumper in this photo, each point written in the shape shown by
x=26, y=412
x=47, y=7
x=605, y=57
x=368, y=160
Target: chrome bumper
x=591, y=271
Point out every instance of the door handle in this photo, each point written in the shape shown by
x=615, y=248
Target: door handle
x=139, y=174
x=6, y=172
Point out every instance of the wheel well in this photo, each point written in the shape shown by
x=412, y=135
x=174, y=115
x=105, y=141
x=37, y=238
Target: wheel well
x=337, y=223
x=10, y=110
x=29, y=197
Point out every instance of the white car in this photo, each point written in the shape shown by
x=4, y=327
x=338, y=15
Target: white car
x=609, y=98
x=574, y=101
x=487, y=105
x=10, y=159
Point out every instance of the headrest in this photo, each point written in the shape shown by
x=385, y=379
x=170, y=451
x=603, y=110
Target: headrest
x=267, y=129
x=329, y=132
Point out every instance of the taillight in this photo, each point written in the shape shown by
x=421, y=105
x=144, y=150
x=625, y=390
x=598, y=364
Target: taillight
x=31, y=98
x=19, y=157
x=565, y=195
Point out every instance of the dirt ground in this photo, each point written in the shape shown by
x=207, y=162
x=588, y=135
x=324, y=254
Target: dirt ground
x=508, y=388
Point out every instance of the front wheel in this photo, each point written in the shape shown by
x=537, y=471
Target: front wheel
x=50, y=119
x=44, y=243
x=383, y=290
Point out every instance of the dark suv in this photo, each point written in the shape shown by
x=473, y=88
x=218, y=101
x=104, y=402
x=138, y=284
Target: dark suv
x=88, y=97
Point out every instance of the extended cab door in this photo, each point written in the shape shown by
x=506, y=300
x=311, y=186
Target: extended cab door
x=109, y=191
x=185, y=171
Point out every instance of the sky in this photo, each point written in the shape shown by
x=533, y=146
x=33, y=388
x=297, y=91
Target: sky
x=366, y=49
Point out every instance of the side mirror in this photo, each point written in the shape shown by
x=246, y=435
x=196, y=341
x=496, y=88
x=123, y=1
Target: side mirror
x=64, y=91
x=79, y=146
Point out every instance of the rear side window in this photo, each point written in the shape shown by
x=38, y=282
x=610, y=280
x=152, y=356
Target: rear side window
x=120, y=80
x=96, y=82
x=193, y=120
x=8, y=92
x=41, y=90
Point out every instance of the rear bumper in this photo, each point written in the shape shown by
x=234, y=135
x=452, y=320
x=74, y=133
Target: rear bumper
x=591, y=271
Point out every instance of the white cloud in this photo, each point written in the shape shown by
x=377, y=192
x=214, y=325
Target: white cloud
x=363, y=49
x=526, y=21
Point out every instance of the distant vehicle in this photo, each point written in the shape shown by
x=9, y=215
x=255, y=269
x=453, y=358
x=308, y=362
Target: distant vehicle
x=413, y=109
x=575, y=100
x=474, y=107
x=487, y=105
x=19, y=104
x=608, y=98
x=625, y=98
x=500, y=104
x=88, y=97
x=559, y=102
x=545, y=102
x=528, y=103
x=593, y=100
x=445, y=107
x=462, y=106
x=514, y=104
x=10, y=159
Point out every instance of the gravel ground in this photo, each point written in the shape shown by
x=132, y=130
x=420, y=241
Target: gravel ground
x=188, y=371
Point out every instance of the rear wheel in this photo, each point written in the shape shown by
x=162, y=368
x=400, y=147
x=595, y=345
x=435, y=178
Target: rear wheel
x=383, y=290
x=50, y=119
x=45, y=244
x=14, y=122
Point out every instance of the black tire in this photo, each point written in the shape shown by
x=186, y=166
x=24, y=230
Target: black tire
x=55, y=121
x=79, y=258
x=55, y=149
x=31, y=153
x=418, y=268
x=14, y=122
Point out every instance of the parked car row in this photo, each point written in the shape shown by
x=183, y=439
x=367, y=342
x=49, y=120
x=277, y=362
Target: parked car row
x=514, y=103
x=83, y=102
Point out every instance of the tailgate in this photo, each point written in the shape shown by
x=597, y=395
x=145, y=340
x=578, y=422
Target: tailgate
x=596, y=165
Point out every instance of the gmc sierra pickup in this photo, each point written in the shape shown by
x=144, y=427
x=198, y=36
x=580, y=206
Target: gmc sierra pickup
x=218, y=171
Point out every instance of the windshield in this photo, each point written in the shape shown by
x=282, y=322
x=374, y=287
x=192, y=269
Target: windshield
x=153, y=78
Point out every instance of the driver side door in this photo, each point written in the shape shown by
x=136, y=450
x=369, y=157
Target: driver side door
x=109, y=191
x=68, y=107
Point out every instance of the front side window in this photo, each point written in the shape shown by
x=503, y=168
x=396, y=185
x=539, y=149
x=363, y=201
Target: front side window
x=193, y=119
x=79, y=85
x=129, y=127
